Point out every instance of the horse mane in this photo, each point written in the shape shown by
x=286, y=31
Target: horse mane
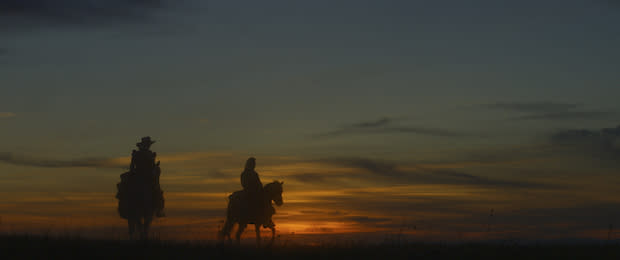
x=272, y=185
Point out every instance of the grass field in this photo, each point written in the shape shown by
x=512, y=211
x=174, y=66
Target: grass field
x=40, y=247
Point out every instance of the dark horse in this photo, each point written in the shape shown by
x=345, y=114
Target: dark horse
x=235, y=212
x=138, y=202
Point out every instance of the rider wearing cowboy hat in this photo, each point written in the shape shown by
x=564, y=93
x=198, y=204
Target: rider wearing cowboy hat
x=143, y=160
x=147, y=172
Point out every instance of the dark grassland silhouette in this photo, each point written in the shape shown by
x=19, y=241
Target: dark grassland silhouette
x=31, y=247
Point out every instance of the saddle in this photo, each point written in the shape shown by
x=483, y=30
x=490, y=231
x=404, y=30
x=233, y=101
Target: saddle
x=128, y=194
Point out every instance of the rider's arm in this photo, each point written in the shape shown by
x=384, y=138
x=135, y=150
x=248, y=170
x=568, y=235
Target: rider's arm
x=132, y=165
x=243, y=180
x=258, y=182
x=154, y=156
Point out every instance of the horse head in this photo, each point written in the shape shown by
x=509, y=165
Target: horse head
x=274, y=191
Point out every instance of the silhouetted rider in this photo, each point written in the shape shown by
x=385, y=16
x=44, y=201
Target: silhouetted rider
x=253, y=188
x=143, y=166
x=249, y=178
x=143, y=160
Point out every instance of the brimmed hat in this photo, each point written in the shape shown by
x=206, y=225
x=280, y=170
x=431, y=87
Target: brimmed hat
x=145, y=141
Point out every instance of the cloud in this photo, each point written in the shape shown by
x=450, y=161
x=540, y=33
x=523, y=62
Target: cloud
x=387, y=125
x=116, y=162
x=544, y=106
x=365, y=219
x=461, y=178
x=424, y=131
x=601, y=143
x=382, y=171
x=580, y=135
x=567, y=115
x=74, y=11
x=48, y=163
x=187, y=170
x=398, y=205
x=7, y=115
x=547, y=110
x=310, y=177
x=378, y=123
x=375, y=167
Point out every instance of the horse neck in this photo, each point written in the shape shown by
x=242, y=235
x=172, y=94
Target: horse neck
x=269, y=196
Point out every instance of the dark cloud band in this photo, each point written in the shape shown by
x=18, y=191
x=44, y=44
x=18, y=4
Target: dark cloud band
x=547, y=110
x=48, y=163
x=602, y=144
x=388, y=126
x=28, y=12
x=382, y=171
x=545, y=106
x=567, y=115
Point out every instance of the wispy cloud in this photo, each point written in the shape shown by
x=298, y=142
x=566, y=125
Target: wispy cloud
x=370, y=170
x=387, y=125
x=29, y=12
x=462, y=178
x=7, y=114
x=592, y=114
x=375, y=167
x=311, y=177
x=378, y=123
x=187, y=169
x=547, y=110
x=113, y=162
x=50, y=163
x=365, y=219
x=602, y=143
x=542, y=106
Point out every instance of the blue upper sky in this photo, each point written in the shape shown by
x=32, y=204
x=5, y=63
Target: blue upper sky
x=289, y=69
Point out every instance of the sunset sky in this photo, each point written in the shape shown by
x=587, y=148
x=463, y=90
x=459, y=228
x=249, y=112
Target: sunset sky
x=379, y=116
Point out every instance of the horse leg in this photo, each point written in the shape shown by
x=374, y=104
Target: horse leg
x=225, y=232
x=273, y=234
x=239, y=231
x=140, y=227
x=257, y=228
x=147, y=225
x=131, y=223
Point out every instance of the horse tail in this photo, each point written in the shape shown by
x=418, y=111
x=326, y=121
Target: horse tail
x=228, y=223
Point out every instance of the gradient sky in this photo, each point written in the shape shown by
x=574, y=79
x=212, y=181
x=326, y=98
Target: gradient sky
x=379, y=116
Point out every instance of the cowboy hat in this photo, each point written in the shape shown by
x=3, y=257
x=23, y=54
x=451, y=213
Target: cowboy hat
x=145, y=141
